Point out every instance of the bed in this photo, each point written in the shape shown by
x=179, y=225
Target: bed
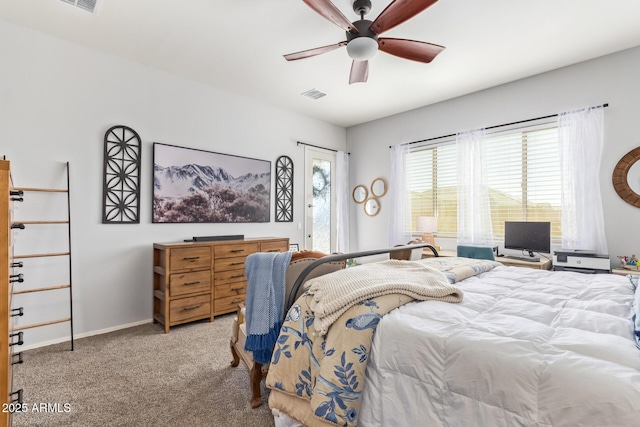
x=524, y=347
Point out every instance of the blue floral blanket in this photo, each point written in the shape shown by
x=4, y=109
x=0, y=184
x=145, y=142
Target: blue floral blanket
x=327, y=370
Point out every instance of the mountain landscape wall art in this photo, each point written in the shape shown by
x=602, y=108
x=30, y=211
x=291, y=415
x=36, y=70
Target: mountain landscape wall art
x=191, y=185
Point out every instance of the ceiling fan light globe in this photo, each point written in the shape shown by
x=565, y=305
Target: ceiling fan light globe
x=362, y=48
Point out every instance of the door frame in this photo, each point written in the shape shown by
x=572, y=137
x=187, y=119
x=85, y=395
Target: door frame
x=311, y=153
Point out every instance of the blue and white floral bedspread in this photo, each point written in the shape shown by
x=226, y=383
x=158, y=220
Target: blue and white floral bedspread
x=328, y=370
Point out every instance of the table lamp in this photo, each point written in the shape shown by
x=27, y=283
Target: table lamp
x=427, y=224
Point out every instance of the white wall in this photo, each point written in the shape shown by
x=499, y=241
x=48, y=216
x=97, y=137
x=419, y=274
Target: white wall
x=611, y=79
x=57, y=99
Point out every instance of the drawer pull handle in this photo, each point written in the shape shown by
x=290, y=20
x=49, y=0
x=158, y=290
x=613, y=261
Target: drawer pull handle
x=191, y=308
x=191, y=258
x=191, y=283
x=237, y=263
x=237, y=250
x=16, y=278
x=19, y=396
x=20, y=340
x=273, y=250
x=237, y=276
x=235, y=301
x=237, y=289
x=17, y=358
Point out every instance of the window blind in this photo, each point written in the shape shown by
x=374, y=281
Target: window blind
x=432, y=184
x=523, y=174
x=524, y=177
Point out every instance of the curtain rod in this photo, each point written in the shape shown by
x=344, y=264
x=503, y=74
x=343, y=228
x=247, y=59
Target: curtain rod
x=317, y=146
x=492, y=127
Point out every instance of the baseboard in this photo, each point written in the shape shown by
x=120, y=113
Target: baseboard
x=25, y=347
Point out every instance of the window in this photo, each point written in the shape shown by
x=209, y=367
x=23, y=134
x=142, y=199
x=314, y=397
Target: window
x=523, y=172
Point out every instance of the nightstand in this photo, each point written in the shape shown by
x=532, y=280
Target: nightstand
x=543, y=264
x=624, y=271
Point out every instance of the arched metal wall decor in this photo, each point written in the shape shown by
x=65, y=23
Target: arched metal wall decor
x=284, y=189
x=121, y=189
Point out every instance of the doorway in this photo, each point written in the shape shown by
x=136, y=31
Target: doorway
x=320, y=200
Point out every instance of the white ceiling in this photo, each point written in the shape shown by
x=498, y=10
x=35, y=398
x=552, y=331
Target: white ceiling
x=238, y=45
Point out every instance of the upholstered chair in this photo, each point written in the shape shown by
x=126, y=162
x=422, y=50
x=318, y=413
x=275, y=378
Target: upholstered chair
x=408, y=255
x=258, y=371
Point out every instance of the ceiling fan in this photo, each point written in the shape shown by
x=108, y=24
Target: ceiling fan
x=362, y=35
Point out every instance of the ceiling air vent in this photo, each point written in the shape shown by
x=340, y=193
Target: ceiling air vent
x=313, y=94
x=88, y=5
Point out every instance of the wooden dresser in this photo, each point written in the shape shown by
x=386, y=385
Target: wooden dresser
x=200, y=280
x=5, y=353
x=11, y=400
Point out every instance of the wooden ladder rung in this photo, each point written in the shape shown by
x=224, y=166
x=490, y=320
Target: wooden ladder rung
x=45, y=190
x=48, y=288
x=37, y=325
x=41, y=255
x=41, y=222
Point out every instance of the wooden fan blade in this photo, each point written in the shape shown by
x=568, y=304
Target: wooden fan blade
x=313, y=52
x=410, y=49
x=332, y=13
x=397, y=12
x=359, y=72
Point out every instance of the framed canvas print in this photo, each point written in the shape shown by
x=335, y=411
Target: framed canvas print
x=191, y=185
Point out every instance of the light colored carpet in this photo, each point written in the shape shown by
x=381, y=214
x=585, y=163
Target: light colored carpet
x=140, y=377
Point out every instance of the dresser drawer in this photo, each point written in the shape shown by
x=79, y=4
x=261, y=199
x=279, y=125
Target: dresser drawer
x=190, y=308
x=229, y=276
x=230, y=290
x=228, y=304
x=235, y=250
x=275, y=246
x=225, y=264
x=190, y=283
x=190, y=258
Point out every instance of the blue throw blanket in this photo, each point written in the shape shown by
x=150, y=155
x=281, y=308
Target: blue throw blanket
x=265, y=301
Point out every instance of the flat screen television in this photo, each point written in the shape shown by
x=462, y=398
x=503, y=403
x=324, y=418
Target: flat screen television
x=528, y=236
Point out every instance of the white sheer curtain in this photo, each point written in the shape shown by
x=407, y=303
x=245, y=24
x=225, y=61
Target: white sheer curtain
x=342, y=201
x=399, y=204
x=474, y=209
x=581, y=138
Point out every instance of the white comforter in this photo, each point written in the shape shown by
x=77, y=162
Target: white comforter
x=525, y=348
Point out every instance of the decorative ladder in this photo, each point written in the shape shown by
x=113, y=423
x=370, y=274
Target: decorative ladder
x=22, y=225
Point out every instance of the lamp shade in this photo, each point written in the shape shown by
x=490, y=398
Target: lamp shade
x=362, y=48
x=427, y=223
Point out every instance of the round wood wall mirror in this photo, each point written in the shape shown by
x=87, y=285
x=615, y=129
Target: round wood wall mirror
x=372, y=206
x=621, y=177
x=360, y=194
x=379, y=187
